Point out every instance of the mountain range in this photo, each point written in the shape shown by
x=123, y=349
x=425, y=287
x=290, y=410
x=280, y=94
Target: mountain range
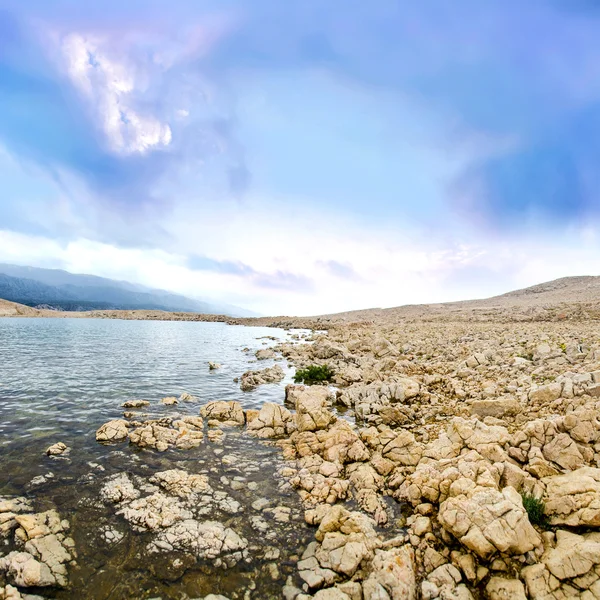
x=61, y=290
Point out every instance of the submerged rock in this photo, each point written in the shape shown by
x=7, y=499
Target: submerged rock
x=169, y=400
x=135, y=404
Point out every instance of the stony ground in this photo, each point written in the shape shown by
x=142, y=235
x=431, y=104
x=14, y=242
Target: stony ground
x=452, y=459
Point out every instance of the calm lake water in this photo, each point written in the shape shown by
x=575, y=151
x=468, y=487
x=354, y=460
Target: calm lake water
x=60, y=379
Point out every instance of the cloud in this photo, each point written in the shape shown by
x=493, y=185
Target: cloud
x=305, y=156
x=341, y=270
x=108, y=85
x=87, y=99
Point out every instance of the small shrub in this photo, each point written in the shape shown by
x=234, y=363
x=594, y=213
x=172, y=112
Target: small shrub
x=563, y=348
x=535, y=510
x=314, y=374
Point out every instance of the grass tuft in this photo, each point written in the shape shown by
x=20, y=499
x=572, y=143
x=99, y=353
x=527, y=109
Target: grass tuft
x=535, y=510
x=314, y=374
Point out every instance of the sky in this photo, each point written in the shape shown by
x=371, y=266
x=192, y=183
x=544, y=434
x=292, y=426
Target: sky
x=303, y=157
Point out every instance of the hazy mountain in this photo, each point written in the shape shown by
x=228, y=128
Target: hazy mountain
x=68, y=291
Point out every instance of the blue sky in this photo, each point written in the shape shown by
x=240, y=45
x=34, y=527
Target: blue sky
x=303, y=156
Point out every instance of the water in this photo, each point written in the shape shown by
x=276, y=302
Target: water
x=60, y=379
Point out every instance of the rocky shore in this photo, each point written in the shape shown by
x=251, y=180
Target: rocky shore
x=448, y=460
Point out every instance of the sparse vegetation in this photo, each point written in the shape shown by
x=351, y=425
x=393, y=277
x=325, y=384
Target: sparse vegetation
x=535, y=510
x=314, y=374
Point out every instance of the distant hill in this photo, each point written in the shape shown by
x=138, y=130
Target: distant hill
x=61, y=290
x=560, y=298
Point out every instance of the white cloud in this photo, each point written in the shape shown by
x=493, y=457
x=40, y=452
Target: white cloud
x=288, y=262
x=109, y=86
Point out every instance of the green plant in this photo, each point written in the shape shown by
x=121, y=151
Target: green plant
x=535, y=509
x=314, y=374
x=563, y=347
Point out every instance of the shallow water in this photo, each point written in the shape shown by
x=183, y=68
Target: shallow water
x=60, y=379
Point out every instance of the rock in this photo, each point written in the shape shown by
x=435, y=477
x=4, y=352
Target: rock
x=212, y=366
x=392, y=576
x=113, y=431
x=403, y=449
x=180, y=483
x=331, y=594
x=486, y=521
x=574, y=555
x=135, y=404
x=206, y=540
x=221, y=410
x=486, y=440
x=341, y=444
x=155, y=512
x=312, y=412
x=563, y=451
x=252, y=379
x=265, y=353
x=273, y=420
x=499, y=407
x=12, y=593
x=169, y=400
x=446, y=575
x=545, y=394
x=45, y=551
x=25, y=571
x=162, y=434
x=119, y=488
x=499, y=588
x=186, y=397
x=573, y=499
x=57, y=449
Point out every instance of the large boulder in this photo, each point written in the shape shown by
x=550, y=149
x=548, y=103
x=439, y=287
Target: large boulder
x=497, y=407
x=501, y=588
x=25, y=571
x=312, y=411
x=113, y=431
x=342, y=444
x=563, y=451
x=403, y=449
x=574, y=555
x=544, y=394
x=162, y=434
x=573, y=499
x=225, y=411
x=392, y=575
x=487, y=521
x=273, y=420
